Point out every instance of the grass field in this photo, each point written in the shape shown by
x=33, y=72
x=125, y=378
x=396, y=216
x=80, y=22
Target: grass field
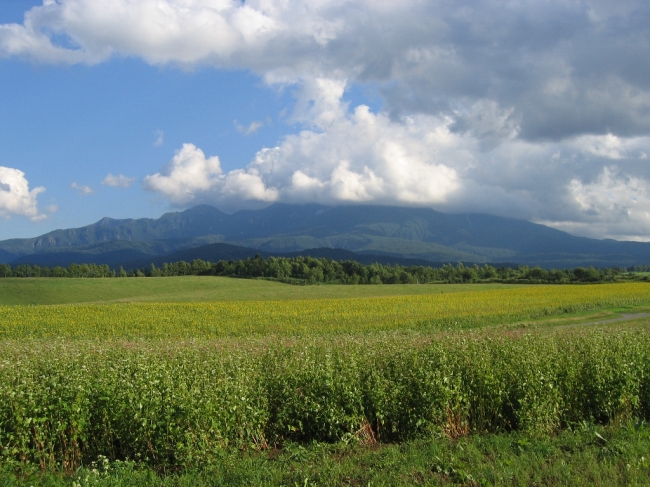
x=129, y=382
x=17, y=291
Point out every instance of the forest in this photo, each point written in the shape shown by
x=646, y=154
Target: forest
x=309, y=270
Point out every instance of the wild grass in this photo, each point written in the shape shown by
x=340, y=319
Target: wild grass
x=586, y=455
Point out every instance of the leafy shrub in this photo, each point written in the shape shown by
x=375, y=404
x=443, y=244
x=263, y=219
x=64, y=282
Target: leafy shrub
x=171, y=403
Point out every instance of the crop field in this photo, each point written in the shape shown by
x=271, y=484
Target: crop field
x=178, y=388
x=37, y=291
x=446, y=311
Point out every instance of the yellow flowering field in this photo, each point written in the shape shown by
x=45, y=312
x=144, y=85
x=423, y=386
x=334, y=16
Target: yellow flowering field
x=237, y=318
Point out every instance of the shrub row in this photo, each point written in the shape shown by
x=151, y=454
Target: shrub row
x=182, y=404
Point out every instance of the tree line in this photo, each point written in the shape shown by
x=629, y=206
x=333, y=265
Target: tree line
x=309, y=270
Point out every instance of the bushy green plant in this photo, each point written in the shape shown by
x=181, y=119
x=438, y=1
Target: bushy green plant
x=182, y=404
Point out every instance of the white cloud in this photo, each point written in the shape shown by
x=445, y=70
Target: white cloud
x=558, y=69
x=239, y=186
x=362, y=157
x=611, y=147
x=319, y=102
x=52, y=208
x=181, y=31
x=189, y=173
x=120, y=181
x=191, y=178
x=253, y=127
x=608, y=146
x=82, y=189
x=15, y=197
x=615, y=205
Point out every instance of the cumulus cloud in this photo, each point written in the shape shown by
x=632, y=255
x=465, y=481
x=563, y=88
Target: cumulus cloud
x=610, y=146
x=191, y=178
x=514, y=108
x=560, y=69
x=189, y=173
x=82, y=189
x=361, y=157
x=120, y=181
x=15, y=197
x=615, y=205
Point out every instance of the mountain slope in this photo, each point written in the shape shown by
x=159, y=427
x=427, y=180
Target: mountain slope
x=113, y=253
x=417, y=233
x=195, y=222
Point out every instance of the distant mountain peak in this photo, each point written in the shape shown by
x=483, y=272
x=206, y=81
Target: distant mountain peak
x=112, y=222
x=202, y=210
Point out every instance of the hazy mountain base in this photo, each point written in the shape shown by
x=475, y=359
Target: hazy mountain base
x=136, y=255
x=113, y=253
x=397, y=247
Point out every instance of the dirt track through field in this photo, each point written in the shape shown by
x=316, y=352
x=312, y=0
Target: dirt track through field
x=625, y=317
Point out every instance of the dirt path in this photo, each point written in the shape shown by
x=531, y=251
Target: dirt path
x=625, y=317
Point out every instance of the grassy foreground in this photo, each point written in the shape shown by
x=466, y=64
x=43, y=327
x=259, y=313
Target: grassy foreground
x=617, y=455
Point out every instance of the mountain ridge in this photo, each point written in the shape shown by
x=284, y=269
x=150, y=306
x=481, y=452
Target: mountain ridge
x=397, y=232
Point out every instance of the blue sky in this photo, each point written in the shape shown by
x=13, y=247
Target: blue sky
x=533, y=110
x=80, y=123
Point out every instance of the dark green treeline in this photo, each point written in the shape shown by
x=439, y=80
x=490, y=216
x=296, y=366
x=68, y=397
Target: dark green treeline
x=309, y=270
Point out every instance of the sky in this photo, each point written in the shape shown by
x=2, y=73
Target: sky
x=529, y=109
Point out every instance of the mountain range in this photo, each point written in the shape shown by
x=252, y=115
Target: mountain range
x=383, y=233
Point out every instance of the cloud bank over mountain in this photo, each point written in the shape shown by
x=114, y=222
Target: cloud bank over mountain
x=535, y=110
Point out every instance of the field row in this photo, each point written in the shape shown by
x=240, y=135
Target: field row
x=18, y=291
x=180, y=404
x=446, y=311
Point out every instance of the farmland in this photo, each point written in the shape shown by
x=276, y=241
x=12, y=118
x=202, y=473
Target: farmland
x=444, y=311
x=21, y=291
x=153, y=388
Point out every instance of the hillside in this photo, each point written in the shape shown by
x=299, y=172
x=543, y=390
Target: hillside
x=391, y=232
